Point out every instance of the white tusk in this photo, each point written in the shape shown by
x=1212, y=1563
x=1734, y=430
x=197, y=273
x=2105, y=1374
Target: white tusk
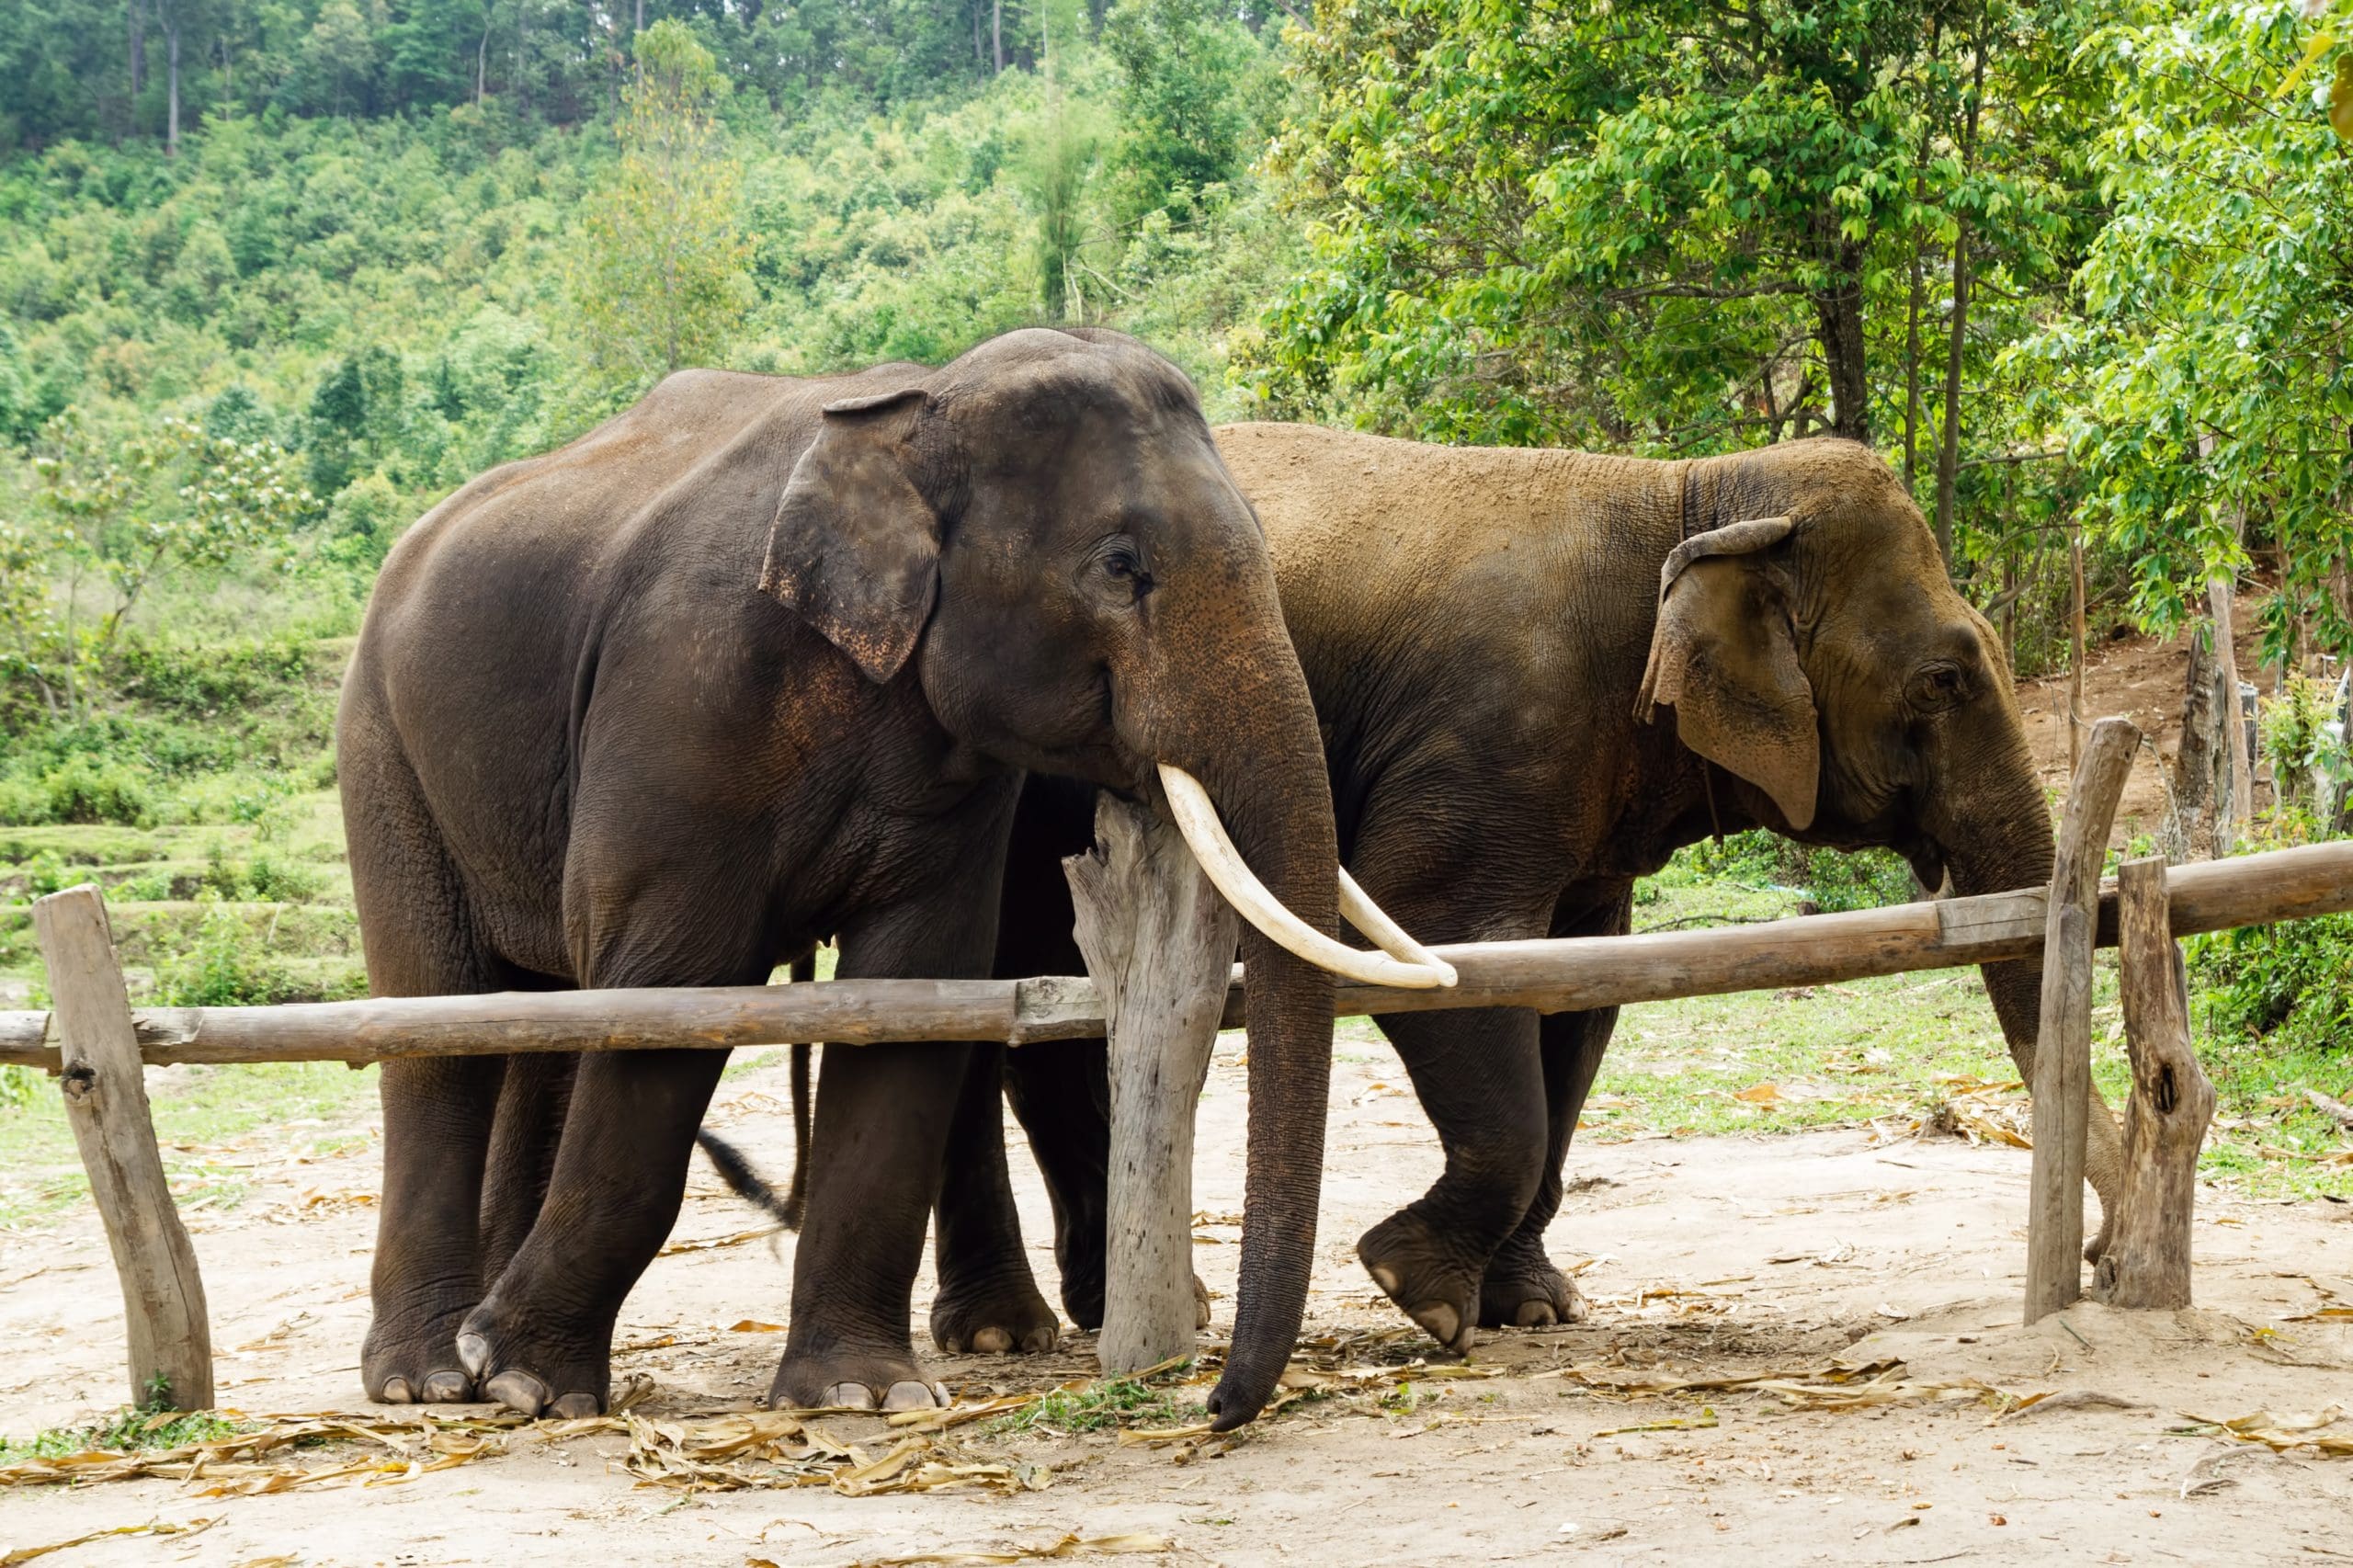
x=1196, y=819
x=1387, y=935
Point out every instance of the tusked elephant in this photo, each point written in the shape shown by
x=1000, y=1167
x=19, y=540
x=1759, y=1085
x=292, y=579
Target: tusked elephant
x=1537, y=674
x=759, y=661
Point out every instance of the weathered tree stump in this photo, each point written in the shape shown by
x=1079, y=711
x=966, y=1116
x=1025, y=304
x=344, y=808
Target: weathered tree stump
x=2147, y=1262
x=105, y=1101
x=2062, y=1061
x=1159, y=943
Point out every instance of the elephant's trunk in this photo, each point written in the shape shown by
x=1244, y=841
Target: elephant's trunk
x=2001, y=840
x=1263, y=769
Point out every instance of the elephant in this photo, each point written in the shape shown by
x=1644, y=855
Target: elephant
x=1497, y=641
x=763, y=660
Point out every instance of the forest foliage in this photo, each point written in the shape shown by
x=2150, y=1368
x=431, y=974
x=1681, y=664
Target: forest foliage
x=275, y=275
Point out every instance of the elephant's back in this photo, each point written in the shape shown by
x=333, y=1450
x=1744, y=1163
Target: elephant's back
x=1366, y=529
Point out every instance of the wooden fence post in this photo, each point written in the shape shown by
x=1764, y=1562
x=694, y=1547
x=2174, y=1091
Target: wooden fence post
x=2062, y=1061
x=2147, y=1262
x=1159, y=944
x=105, y=1101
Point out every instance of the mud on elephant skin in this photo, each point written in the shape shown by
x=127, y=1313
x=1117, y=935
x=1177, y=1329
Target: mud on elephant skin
x=758, y=661
x=1539, y=674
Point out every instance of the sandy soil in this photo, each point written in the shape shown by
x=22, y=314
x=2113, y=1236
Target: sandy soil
x=1719, y=1256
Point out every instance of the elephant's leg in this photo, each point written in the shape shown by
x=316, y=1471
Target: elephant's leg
x=883, y=1117
x=1061, y=1090
x=1481, y=1084
x=1522, y=1288
x=428, y=1272
x=542, y=1339
x=532, y=1102
x=988, y=1300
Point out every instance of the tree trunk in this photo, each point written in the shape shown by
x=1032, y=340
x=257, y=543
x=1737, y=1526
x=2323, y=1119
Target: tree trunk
x=1949, y=447
x=996, y=33
x=481, y=61
x=2075, y=662
x=1949, y=438
x=2238, y=806
x=172, y=67
x=137, y=51
x=1911, y=379
x=1839, y=312
x=2201, y=754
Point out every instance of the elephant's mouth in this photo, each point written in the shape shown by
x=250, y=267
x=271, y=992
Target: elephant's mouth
x=1402, y=962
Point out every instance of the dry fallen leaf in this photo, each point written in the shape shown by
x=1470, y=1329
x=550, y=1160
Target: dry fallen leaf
x=753, y=1325
x=153, y=1527
x=1067, y=1546
x=1760, y=1094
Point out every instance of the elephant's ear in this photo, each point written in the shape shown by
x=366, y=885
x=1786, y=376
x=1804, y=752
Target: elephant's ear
x=1725, y=658
x=855, y=549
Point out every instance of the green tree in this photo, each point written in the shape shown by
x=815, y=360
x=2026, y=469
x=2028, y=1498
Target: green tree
x=2206, y=380
x=1187, y=75
x=1662, y=223
x=658, y=272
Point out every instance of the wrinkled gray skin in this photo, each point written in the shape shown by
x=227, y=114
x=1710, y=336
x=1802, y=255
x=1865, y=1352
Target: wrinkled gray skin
x=1517, y=730
x=758, y=662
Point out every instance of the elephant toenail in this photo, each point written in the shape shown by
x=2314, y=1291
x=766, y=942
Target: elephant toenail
x=911, y=1396
x=1385, y=1277
x=988, y=1342
x=1041, y=1340
x=473, y=1352
x=395, y=1391
x=1440, y=1320
x=519, y=1391
x=1200, y=1303
x=575, y=1405
x=1534, y=1314
x=848, y=1397
x=448, y=1388
x=953, y=1346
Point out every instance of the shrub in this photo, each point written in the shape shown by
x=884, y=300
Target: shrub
x=81, y=788
x=227, y=968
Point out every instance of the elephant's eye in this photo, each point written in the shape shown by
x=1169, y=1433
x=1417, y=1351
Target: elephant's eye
x=1935, y=688
x=1121, y=564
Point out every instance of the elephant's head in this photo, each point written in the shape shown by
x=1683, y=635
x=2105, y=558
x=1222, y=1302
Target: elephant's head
x=1042, y=538
x=1813, y=648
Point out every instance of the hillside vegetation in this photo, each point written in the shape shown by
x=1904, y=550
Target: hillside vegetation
x=275, y=279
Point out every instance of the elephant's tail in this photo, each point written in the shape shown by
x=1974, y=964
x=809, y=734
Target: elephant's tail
x=737, y=1172
x=746, y=1183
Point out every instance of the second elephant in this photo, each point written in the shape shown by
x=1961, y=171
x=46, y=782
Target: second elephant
x=1537, y=674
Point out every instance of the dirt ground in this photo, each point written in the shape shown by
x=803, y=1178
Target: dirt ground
x=1722, y=1256
x=2143, y=679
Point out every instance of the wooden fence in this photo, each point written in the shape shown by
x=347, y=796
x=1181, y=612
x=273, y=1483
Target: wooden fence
x=1158, y=940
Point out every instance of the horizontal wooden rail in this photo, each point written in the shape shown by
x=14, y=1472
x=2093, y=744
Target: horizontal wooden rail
x=1561, y=975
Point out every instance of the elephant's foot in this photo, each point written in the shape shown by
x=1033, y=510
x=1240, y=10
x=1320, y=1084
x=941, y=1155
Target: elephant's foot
x=992, y=1317
x=1432, y=1282
x=535, y=1367
x=1522, y=1289
x=847, y=1380
x=415, y=1361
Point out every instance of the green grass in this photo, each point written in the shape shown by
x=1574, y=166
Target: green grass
x=215, y=1125
x=132, y=1429
x=1099, y=1406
